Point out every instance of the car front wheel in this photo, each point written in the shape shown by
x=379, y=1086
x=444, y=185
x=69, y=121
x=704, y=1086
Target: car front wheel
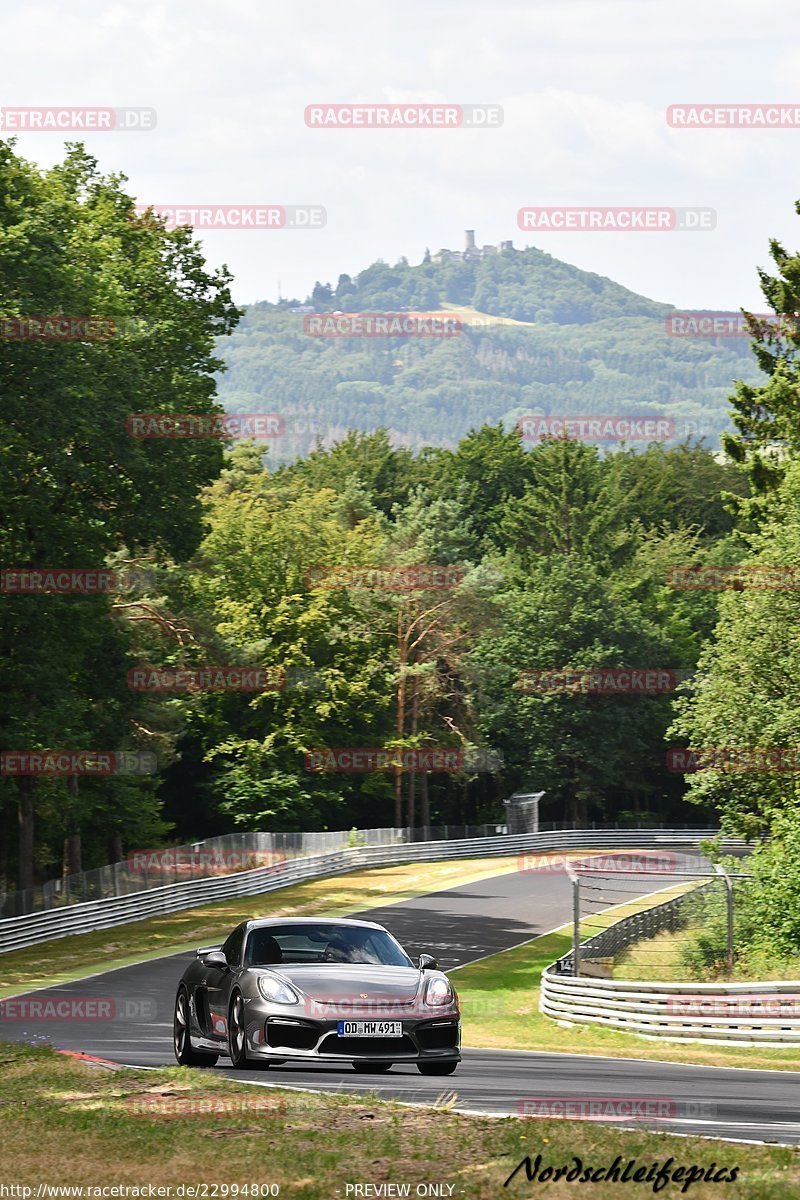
x=437, y=1068
x=185, y=1052
x=237, y=1036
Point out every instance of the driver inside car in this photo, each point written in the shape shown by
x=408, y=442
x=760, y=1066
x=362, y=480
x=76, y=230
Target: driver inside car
x=338, y=951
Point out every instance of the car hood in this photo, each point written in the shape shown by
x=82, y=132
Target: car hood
x=343, y=983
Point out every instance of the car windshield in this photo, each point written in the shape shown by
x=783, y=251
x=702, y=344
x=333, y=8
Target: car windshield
x=324, y=943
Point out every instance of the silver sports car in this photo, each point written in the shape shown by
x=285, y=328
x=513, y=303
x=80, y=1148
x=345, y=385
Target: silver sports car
x=316, y=991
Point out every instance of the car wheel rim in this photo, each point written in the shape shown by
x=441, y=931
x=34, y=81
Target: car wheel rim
x=237, y=1029
x=180, y=1024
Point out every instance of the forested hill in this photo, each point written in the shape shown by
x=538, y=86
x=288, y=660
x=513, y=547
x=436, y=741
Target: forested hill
x=538, y=336
x=527, y=285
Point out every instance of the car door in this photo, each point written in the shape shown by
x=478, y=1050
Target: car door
x=219, y=981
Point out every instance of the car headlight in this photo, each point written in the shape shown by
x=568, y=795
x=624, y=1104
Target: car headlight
x=276, y=990
x=438, y=992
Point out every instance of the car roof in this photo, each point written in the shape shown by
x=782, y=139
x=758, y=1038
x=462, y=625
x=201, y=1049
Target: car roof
x=267, y=922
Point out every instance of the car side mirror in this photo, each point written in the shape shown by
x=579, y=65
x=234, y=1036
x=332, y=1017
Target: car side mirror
x=427, y=962
x=215, y=958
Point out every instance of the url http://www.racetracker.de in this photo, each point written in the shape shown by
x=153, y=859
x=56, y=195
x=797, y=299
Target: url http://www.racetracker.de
x=182, y=1191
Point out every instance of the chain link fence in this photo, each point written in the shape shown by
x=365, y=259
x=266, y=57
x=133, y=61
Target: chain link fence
x=700, y=899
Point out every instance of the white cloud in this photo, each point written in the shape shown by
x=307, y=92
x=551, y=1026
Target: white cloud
x=584, y=83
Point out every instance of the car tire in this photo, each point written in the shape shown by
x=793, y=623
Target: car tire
x=372, y=1068
x=185, y=1052
x=437, y=1068
x=237, y=1037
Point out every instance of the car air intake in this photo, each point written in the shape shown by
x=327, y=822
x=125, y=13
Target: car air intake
x=291, y=1035
x=439, y=1035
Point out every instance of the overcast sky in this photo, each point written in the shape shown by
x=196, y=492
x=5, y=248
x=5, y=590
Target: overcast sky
x=584, y=85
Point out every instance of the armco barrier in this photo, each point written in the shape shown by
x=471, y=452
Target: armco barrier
x=653, y=1010
x=18, y=932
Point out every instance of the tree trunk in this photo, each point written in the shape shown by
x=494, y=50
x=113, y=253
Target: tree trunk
x=4, y=831
x=425, y=804
x=26, y=827
x=412, y=777
x=115, y=848
x=401, y=724
x=72, y=839
x=578, y=808
x=72, y=854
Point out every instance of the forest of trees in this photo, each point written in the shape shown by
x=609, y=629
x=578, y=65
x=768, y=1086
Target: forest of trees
x=594, y=348
x=561, y=558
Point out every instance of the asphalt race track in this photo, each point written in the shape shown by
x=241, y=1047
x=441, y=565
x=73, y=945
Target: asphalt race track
x=458, y=926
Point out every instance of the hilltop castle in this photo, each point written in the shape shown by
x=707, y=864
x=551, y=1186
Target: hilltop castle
x=471, y=252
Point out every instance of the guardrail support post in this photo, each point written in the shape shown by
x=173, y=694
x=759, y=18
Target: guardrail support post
x=576, y=925
x=729, y=898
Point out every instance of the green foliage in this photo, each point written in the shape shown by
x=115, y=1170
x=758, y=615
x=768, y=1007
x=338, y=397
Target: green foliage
x=429, y=391
x=77, y=489
x=749, y=695
x=767, y=415
x=563, y=550
x=528, y=285
x=766, y=912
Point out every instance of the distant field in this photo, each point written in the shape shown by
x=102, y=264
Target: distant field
x=473, y=316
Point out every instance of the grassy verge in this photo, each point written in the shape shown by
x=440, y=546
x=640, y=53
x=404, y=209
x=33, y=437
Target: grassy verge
x=73, y=957
x=660, y=958
x=500, y=1004
x=65, y=1122
x=655, y=958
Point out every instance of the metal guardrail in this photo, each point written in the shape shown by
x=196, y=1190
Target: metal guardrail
x=143, y=870
x=232, y=852
x=722, y=1013
x=19, y=932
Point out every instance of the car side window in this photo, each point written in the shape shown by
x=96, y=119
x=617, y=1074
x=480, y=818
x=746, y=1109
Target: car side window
x=232, y=949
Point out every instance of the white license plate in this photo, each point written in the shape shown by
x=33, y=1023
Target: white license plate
x=370, y=1029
